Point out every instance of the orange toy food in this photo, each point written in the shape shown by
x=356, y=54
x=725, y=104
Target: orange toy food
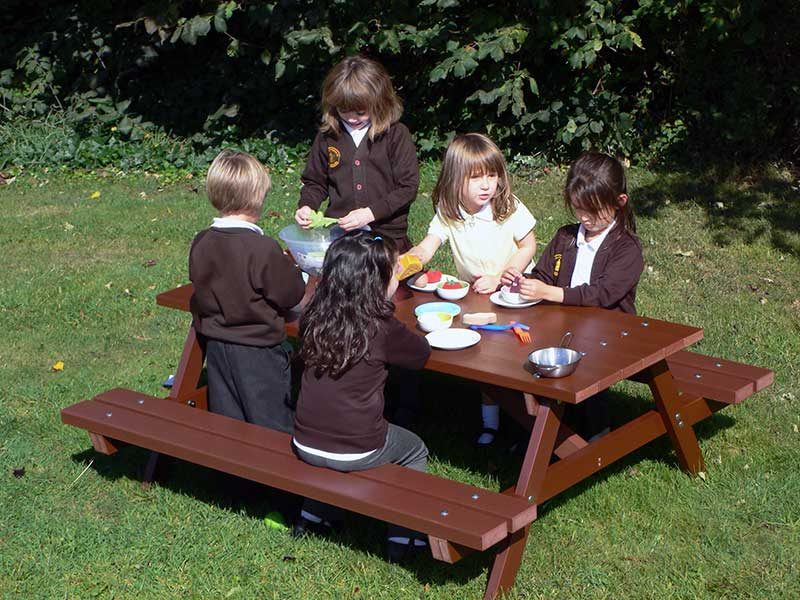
x=408, y=265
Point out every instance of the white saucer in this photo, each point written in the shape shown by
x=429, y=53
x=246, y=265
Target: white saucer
x=454, y=338
x=431, y=287
x=496, y=298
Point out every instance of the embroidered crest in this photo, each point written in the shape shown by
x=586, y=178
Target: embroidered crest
x=557, y=264
x=334, y=157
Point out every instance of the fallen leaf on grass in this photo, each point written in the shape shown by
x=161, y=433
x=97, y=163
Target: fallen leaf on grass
x=684, y=253
x=702, y=475
x=95, y=195
x=149, y=263
x=288, y=558
x=68, y=226
x=795, y=428
x=18, y=472
x=762, y=300
x=57, y=366
x=108, y=285
x=796, y=304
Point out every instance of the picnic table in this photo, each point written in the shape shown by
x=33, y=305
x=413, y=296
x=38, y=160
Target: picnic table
x=685, y=387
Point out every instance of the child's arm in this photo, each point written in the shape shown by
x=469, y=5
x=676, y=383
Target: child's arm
x=520, y=260
x=405, y=348
x=620, y=276
x=426, y=248
x=280, y=280
x=315, y=182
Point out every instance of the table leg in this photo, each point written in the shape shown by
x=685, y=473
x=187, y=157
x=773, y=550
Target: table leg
x=677, y=424
x=184, y=386
x=529, y=484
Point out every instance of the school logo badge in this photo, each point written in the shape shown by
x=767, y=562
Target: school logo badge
x=556, y=264
x=334, y=157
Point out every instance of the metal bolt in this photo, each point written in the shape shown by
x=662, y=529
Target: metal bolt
x=698, y=376
x=603, y=343
x=108, y=414
x=599, y=461
x=444, y=513
x=623, y=333
x=474, y=496
x=645, y=324
x=140, y=401
x=583, y=353
x=677, y=416
x=530, y=498
x=680, y=423
x=718, y=365
x=192, y=403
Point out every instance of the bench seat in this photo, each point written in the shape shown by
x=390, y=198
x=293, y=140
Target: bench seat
x=442, y=508
x=717, y=379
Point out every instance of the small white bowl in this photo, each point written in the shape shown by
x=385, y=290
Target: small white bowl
x=434, y=321
x=455, y=294
x=509, y=296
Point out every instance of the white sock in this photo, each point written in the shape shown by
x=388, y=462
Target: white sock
x=310, y=516
x=490, y=414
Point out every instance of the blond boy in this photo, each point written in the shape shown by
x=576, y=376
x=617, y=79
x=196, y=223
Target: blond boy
x=242, y=281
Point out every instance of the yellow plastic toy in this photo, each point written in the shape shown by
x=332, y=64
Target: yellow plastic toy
x=408, y=265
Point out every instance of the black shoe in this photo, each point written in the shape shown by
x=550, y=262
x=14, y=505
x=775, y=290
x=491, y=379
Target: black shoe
x=397, y=552
x=303, y=527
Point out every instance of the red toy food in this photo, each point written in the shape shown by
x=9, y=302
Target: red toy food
x=433, y=276
x=453, y=285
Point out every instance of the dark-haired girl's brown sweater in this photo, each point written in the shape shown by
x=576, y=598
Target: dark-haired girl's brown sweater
x=616, y=269
x=345, y=415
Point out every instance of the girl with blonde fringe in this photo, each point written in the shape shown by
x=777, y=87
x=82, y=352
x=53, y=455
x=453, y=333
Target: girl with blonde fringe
x=489, y=230
x=362, y=160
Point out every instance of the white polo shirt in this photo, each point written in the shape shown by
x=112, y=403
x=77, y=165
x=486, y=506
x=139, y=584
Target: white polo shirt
x=481, y=245
x=586, y=253
x=357, y=134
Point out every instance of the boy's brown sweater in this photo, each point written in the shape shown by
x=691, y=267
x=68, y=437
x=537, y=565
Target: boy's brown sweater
x=242, y=281
x=616, y=269
x=380, y=174
x=345, y=415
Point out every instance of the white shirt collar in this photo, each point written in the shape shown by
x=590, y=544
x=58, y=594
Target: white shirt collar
x=596, y=241
x=231, y=223
x=484, y=214
x=357, y=134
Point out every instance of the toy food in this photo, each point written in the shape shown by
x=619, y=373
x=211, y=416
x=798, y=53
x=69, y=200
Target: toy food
x=486, y=318
x=318, y=219
x=408, y=265
x=433, y=276
x=453, y=285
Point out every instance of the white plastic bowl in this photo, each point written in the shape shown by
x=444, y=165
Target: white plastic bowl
x=456, y=294
x=308, y=246
x=434, y=321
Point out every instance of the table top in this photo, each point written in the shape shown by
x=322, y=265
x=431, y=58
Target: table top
x=616, y=345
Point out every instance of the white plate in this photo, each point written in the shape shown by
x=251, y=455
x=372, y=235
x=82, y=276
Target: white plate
x=431, y=287
x=453, y=339
x=496, y=298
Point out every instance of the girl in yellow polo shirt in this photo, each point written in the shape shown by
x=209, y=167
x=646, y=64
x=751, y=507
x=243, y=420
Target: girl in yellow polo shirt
x=489, y=230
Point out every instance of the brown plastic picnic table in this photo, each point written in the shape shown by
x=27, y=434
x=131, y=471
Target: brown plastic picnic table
x=617, y=346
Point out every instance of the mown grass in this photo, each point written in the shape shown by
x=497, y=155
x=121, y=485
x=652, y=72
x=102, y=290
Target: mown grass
x=79, y=277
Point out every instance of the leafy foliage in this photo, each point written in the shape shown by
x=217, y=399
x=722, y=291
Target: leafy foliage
x=651, y=79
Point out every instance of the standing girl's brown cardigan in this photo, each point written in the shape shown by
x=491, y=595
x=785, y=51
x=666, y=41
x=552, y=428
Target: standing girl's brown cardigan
x=381, y=174
x=615, y=271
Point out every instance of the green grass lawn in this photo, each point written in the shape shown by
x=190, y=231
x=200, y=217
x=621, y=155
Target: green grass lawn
x=79, y=278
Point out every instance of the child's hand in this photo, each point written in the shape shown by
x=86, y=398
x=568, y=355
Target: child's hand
x=509, y=275
x=532, y=289
x=485, y=284
x=356, y=219
x=302, y=216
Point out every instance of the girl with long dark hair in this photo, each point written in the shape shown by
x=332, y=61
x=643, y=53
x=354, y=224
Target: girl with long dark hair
x=349, y=337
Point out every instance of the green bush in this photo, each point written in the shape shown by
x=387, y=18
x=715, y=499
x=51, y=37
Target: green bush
x=654, y=79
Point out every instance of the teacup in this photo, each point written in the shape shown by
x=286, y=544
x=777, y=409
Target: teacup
x=511, y=297
x=434, y=321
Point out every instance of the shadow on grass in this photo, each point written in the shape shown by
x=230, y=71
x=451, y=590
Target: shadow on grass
x=737, y=207
x=448, y=421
